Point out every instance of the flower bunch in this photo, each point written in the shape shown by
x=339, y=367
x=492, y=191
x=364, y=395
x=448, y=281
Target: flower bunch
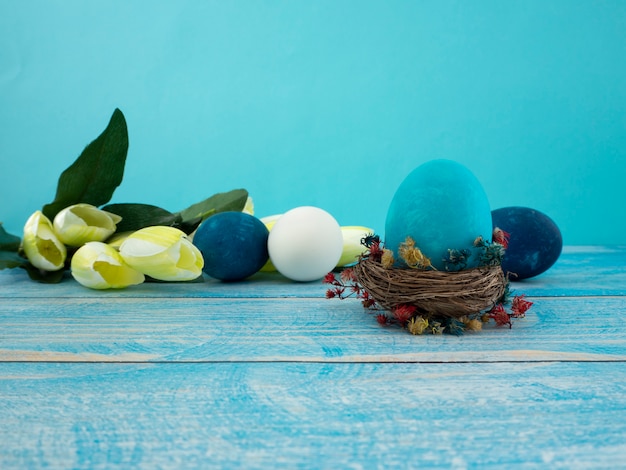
x=502, y=317
x=415, y=319
x=347, y=286
x=115, y=245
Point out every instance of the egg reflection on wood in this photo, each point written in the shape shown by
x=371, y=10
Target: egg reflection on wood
x=441, y=206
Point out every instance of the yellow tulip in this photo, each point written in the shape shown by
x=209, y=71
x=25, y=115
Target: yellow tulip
x=269, y=222
x=42, y=247
x=81, y=223
x=163, y=253
x=99, y=266
x=352, y=247
x=248, y=208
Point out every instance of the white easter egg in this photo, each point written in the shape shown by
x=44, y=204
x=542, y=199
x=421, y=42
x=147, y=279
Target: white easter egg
x=305, y=243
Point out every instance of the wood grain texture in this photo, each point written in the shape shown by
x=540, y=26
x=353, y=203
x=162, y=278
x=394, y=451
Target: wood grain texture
x=269, y=374
x=581, y=271
x=198, y=329
x=246, y=415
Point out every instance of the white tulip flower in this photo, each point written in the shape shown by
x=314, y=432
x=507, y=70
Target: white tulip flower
x=163, y=253
x=352, y=246
x=269, y=222
x=42, y=247
x=99, y=266
x=81, y=223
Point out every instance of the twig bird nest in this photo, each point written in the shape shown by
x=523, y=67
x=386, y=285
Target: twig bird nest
x=415, y=295
x=435, y=293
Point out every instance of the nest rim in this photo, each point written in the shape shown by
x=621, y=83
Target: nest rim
x=435, y=293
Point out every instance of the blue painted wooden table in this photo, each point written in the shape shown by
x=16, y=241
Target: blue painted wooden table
x=267, y=373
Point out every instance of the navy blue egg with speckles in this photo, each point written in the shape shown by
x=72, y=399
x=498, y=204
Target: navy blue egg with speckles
x=535, y=241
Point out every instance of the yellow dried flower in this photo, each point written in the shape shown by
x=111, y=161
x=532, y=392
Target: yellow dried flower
x=473, y=325
x=409, y=242
x=413, y=256
x=387, y=258
x=417, y=325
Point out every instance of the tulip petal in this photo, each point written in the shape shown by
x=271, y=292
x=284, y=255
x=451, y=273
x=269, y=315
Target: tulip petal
x=41, y=246
x=352, y=246
x=118, y=275
x=163, y=253
x=50, y=252
x=140, y=247
x=190, y=257
x=81, y=223
x=248, y=208
x=269, y=222
x=99, y=266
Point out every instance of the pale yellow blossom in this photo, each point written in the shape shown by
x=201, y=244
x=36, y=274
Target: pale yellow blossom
x=99, y=266
x=163, y=253
x=352, y=246
x=81, y=223
x=42, y=247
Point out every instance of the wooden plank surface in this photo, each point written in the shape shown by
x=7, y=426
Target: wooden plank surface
x=268, y=373
x=581, y=271
x=199, y=329
x=247, y=415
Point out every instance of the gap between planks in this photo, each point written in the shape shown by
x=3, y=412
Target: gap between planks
x=511, y=357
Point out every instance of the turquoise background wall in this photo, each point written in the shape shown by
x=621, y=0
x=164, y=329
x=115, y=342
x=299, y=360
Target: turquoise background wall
x=327, y=103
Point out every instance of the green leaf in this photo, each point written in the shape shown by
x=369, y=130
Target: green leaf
x=10, y=259
x=95, y=174
x=137, y=216
x=188, y=226
x=8, y=242
x=234, y=200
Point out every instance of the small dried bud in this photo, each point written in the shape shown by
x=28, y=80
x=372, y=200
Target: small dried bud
x=387, y=259
x=417, y=325
x=473, y=325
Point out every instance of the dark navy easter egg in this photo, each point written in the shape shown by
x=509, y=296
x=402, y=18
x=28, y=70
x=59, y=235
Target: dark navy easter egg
x=441, y=206
x=535, y=241
x=233, y=244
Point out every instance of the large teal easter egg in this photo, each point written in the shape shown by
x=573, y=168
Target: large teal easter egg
x=442, y=206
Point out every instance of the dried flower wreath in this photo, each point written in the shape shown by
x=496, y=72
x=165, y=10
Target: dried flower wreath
x=423, y=300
